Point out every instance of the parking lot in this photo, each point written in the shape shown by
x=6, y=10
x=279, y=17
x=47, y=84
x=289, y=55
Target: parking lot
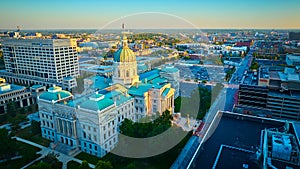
x=209, y=73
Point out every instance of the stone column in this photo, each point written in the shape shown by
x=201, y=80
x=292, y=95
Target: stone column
x=63, y=127
x=21, y=103
x=69, y=128
x=74, y=129
x=57, y=125
x=60, y=126
x=173, y=104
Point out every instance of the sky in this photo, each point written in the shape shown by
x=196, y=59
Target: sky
x=137, y=14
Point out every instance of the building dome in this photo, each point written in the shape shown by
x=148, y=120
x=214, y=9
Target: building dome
x=55, y=94
x=124, y=53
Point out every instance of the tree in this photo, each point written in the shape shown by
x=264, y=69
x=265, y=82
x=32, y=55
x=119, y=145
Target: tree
x=103, y=165
x=84, y=165
x=254, y=66
x=51, y=159
x=8, y=147
x=35, y=127
x=29, y=109
x=147, y=129
x=12, y=108
x=22, y=110
x=130, y=166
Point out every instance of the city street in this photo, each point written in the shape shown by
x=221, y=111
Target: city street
x=224, y=102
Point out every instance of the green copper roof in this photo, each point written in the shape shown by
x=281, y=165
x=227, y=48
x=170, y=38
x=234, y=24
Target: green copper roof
x=158, y=80
x=100, y=82
x=165, y=92
x=55, y=96
x=36, y=86
x=170, y=70
x=55, y=88
x=97, y=105
x=119, y=97
x=140, y=90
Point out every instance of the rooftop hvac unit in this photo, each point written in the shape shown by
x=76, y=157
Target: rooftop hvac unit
x=281, y=147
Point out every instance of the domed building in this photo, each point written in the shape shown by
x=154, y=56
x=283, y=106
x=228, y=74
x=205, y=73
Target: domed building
x=90, y=122
x=125, y=66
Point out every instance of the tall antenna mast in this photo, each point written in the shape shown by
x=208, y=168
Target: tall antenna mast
x=123, y=27
x=124, y=39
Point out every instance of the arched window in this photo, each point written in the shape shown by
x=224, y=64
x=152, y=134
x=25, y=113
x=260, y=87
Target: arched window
x=118, y=73
x=133, y=72
x=127, y=73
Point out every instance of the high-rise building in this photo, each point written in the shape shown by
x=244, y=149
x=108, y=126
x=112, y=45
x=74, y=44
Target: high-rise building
x=41, y=61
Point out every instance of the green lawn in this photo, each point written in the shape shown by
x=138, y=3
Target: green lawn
x=200, y=99
x=72, y=165
x=56, y=165
x=28, y=135
x=89, y=158
x=161, y=161
x=27, y=151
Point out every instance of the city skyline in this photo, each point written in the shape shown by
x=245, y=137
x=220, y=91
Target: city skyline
x=93, y=14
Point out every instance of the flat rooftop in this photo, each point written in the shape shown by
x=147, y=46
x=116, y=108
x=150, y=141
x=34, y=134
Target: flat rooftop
x=237, y=157
x=237, y=132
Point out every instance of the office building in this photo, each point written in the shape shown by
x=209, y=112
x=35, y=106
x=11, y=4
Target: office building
x=293, y=59
x=273, y=92
x=41, y=61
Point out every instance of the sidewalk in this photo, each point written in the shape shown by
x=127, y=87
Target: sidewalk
x=45, y=151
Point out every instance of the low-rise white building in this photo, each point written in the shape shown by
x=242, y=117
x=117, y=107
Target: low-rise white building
x=15, y=93
x=88, y=123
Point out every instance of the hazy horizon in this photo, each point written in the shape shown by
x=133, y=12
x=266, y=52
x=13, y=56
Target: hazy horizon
x=155, y=14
